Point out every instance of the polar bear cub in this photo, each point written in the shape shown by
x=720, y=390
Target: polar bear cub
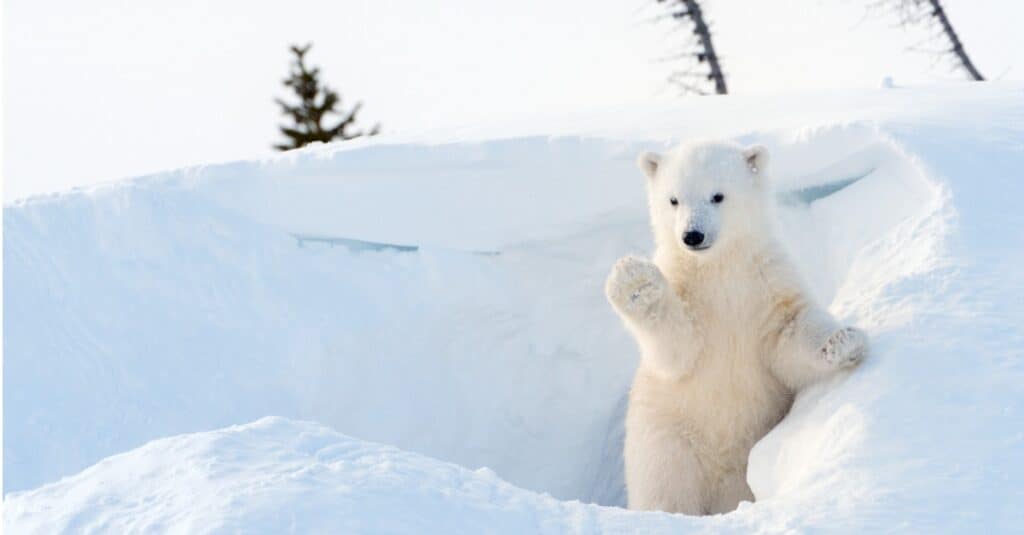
x=727, y=333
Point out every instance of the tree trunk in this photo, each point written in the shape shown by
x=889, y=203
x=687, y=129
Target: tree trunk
x=693, y=9
x=958, y=47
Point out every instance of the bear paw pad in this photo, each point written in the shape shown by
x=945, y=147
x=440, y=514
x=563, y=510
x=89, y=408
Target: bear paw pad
x=845, y=347
x=635, y=284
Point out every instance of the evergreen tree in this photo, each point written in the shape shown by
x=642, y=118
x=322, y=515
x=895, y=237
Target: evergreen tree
x=316, y=101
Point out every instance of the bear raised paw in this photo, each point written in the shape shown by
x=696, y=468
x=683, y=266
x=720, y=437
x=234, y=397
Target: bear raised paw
x=727, y=333
x=635, y=286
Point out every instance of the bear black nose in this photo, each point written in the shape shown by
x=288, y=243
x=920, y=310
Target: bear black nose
x=693, y=238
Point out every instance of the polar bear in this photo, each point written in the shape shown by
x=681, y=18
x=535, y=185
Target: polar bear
x=726, y=331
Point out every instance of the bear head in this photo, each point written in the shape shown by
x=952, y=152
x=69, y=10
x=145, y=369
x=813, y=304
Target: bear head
x=705, y=196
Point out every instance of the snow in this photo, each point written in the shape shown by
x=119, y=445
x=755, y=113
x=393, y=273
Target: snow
x=185, y=303
x=288, y=476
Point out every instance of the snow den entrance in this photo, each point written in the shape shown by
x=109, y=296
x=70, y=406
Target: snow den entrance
x=858, y=214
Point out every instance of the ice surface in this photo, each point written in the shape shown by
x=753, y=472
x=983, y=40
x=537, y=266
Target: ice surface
x=183, y=303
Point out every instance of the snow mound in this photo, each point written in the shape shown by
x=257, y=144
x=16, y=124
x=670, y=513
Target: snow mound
x=346, y=286
x=282, y=476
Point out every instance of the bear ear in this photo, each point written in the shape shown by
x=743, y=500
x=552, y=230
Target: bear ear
x=756, y=157
x=648, y=163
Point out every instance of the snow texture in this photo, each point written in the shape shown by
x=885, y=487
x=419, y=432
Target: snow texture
x=445, y=298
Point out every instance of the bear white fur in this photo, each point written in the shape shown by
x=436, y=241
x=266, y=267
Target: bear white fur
x=726, y=331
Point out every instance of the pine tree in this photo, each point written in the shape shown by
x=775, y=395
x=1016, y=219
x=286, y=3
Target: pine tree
x=316, y=101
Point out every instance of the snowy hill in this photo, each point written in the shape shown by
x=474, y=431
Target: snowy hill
x=444, y=298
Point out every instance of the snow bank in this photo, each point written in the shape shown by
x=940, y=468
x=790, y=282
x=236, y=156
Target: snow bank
x=282, y=476
x=184, y=302
x=170, y=307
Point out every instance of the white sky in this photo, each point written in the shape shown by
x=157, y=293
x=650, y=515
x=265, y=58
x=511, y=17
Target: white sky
x=105, y=89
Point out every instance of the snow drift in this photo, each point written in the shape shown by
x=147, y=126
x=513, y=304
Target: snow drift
x=446, y=299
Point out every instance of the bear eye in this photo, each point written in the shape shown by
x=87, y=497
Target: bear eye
x=717, y=198
x=673, y=201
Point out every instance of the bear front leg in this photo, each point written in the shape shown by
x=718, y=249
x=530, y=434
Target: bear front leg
x=813, y=346
x=658, y=318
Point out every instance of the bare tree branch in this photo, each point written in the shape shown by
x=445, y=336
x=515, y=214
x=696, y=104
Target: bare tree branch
x=700, y=50
x=954, y=39
x=930, y=12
